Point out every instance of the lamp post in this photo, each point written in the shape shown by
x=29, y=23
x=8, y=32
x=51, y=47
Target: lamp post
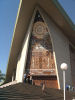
x=64, y=68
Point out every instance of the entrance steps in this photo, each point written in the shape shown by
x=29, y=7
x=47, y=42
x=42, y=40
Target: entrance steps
x=24, y=91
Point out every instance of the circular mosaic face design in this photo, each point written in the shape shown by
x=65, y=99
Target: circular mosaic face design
x=39, y=29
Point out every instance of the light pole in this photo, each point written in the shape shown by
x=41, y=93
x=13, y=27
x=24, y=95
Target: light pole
x=64, y=68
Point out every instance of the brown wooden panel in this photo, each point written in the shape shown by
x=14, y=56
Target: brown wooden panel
x=48, y=83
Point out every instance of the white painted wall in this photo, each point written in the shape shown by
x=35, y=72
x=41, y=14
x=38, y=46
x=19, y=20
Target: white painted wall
x=23, y=56
x=21, y=61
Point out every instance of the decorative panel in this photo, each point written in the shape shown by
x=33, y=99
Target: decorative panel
x=40, y=56
x=40, y=60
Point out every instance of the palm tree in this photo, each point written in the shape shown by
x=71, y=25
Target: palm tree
x=2, y=76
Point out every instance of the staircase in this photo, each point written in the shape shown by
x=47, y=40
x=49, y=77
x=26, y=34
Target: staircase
x=22, y=91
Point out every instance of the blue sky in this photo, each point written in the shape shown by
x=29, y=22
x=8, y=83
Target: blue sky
x=69, y=7
x=8, y=13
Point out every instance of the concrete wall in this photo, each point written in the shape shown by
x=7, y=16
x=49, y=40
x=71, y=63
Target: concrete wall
x=21, y=61
x=61, y=49
x=23, y=55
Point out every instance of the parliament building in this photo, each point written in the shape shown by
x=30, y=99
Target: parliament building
x=43, y=39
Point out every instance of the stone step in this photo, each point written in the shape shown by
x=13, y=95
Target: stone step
x=23, y=91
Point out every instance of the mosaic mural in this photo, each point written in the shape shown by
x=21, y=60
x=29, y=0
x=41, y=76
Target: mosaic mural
x=40, y=59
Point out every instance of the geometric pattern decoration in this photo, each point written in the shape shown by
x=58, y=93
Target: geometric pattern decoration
x=39, y=29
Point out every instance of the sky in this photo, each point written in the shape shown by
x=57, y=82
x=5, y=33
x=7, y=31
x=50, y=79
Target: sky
x=8, y=13
x=69, y=7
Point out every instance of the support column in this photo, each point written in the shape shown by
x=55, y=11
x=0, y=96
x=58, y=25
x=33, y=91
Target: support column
x=22, y=59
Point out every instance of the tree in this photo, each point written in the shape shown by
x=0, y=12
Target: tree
x=2, y=76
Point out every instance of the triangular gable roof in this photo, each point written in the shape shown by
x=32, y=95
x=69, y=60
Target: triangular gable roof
x=26, y=8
